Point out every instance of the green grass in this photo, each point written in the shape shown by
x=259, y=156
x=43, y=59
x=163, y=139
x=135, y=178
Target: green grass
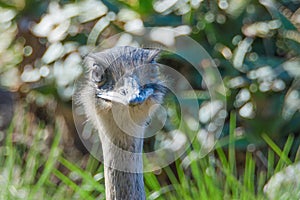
x=33, y=172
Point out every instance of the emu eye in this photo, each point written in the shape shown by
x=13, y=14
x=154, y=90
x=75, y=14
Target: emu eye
x=98, y=76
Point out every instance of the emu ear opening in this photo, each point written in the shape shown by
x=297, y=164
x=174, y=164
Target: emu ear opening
x=93, y=60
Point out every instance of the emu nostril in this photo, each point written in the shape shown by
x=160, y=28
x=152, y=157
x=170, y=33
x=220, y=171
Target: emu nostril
x=123, y=92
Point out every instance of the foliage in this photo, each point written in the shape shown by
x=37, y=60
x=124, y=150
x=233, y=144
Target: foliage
x=33, y=170
x=254, y=44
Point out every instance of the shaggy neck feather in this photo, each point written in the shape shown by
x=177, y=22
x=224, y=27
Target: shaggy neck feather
x=118, y=148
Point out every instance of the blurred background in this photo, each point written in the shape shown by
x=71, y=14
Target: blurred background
x=255, y=45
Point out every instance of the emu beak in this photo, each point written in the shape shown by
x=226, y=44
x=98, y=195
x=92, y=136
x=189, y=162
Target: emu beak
x=131, y=93
x=113, y=96
x=129, y=99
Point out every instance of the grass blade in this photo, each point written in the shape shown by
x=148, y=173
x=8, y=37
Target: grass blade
x=71, y=184
x=276, y=149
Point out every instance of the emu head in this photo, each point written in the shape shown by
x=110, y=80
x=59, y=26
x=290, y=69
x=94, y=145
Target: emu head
x=126, y=77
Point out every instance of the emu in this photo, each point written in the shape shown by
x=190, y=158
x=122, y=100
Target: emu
x=122, y=86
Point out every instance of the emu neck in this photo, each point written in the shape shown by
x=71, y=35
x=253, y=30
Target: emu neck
x=122, y=158
x=123, y=185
